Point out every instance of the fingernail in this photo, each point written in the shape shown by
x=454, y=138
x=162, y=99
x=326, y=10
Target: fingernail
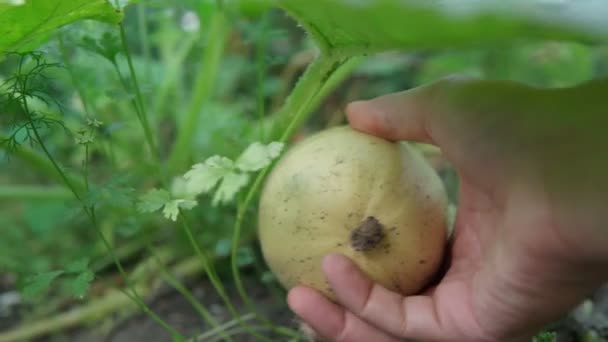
x=354, y=106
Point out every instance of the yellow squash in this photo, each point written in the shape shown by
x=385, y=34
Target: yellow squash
x=375, y=201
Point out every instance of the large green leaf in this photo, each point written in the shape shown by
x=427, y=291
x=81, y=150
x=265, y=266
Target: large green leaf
x=24, y=26
x=362, y=26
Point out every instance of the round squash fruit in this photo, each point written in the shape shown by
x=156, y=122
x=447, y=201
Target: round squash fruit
x=343, y=191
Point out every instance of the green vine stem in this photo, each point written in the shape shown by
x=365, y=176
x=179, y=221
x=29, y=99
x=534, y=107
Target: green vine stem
x=85, y=167
x=140, y=108
x=142, y=30
x=320, y=78
x=295, y=111
x=203, y=87
x=179, y=287
x=276, y=122
x=213, y=277
x=221, y=329
x=334, y=81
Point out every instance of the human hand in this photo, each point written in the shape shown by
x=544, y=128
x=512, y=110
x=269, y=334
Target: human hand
x=529, y=242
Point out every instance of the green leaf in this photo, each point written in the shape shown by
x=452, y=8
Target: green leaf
x=230, y=186
x=204, y=176
x=78, y=266
x=27, y=25
x=80, y=284
x=268, y=277
x=170, y=202
x=223, y=247
x=257, y=156
x=171, y=209
x=181, y=189
x=39, y=283
x=108, y=46
x=153, y=200
x=354, y=27
x=244, y=257
x=112, y=194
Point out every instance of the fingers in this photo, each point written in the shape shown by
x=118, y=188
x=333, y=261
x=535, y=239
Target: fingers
x=399, y=116
x=450, y=106
x=412, y=317
x=412, y=114
x=331, y=321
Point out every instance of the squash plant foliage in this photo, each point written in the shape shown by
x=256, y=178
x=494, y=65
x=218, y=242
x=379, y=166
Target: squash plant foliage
x=343, y=29
x=26, y=24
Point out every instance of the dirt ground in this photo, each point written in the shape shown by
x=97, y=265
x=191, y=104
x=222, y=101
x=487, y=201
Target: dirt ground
x=591, y=316
x=173, y=308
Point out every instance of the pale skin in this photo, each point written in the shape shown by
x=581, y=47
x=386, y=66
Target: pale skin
x=530, y=239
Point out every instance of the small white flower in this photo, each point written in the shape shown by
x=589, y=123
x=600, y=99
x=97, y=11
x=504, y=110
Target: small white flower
x=190, y=22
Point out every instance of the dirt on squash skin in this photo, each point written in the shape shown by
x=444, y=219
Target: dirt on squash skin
x=175, y=310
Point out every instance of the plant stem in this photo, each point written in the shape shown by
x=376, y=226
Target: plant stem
x=86, y=167
x=298, y=105
x=305, y=91
x=134, y=295
x=219, y=330
x=143, y=118
x=63, y=176
x=236, y=331
x=207, y=266
x=334, y=81
x=213, y=277
x=142, y=30
x=203, y=87
x=177, y=285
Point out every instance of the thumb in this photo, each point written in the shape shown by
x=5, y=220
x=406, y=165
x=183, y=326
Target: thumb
x=451, y=107
x=411, y=114
x=397, y=116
